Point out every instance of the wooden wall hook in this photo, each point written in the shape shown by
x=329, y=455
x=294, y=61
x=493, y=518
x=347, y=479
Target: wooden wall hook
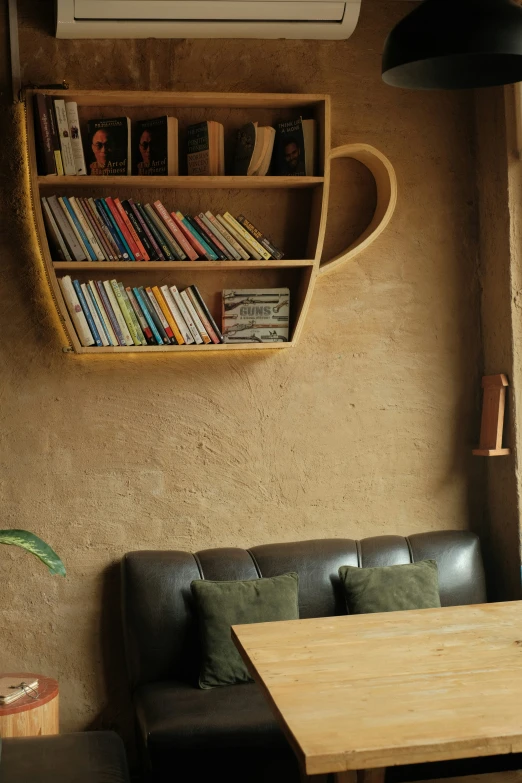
x=492, y=423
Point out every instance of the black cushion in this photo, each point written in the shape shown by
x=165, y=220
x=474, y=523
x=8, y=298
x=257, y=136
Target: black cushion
x=89, y=757
x=180, y=716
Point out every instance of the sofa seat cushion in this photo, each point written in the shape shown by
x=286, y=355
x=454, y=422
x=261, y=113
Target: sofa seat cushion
x=86, y=757
x=182, y=716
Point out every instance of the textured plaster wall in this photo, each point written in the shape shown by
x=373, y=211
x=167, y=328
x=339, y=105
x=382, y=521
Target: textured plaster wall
x=364, y=429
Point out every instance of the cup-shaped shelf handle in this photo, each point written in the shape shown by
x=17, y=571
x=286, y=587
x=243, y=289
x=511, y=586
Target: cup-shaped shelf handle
x=386, y=182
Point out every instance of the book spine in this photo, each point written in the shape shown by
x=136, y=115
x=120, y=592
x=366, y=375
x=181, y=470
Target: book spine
x=110, y=312
x=149, y=253
x=136, y=247
x=168, y=315
x=94, y=219
x=54, y=135
x=44, y=136
x=173, y=246
x=116, y=231
x=202, y=316
x=231, y=253
x=71, y=110
x=145, y=328
x=207, y=312
x=127, y=339
x=75, y=310
x=186, y=315
x=79, y=228
x=241, y=252
x=210, y=239
x=124, y=231
x=177, y=315
x=146, y=230
x=136, y=324
x=104, y=318
x=69, y=166
x=163, y=248
x=246, y=248
x=195, y=318
x=68, y=234
x=148, y=317
x=153, y=314
x=124, y=311
x=165, y=324
x=247, y=236
x=67, y=211
x=91, y=304
x=87, y=312
x=256, y=233
x=98, y=255
x=193, y=226
x=120, y=251
x=191, y=239
x=175, y=231
x=54, y=232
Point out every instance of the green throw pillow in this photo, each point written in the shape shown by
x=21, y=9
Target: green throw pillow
x=222, y=604
x=391, y=588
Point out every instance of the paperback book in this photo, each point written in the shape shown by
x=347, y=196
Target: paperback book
x=254, y=149
x=155, y=147
x=108, y=146
x=256, y=315
x=294, y=149
x=206, y=149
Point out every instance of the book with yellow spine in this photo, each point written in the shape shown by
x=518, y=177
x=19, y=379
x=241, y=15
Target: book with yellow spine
x=248, y=236
x=125, y=313
x=168, y=315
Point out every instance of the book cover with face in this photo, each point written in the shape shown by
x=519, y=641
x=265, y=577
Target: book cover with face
x=107, y=147
x=151, y=147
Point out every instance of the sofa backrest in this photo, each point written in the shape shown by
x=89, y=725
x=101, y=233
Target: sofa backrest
x=159, y=623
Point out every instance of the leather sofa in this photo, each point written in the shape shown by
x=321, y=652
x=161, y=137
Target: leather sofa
x=87, y=757
x=190, y=735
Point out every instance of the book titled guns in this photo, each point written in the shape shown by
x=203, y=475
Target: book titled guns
x=256, y=315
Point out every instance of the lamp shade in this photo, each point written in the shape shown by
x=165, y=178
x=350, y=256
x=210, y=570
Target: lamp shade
x=455, y=44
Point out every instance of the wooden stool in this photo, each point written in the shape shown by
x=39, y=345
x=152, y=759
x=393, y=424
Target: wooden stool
x=30, y=717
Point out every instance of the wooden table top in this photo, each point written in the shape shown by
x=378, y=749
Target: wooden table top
x=47, y=690
x=377, y=690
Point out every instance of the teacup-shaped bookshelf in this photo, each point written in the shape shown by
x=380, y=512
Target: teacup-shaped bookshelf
x=291, y=209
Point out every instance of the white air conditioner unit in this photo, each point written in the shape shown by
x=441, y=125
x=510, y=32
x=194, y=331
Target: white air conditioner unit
x=319, y=19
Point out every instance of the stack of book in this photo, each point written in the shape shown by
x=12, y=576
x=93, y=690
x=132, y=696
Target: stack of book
x=110, y=147
x=107, y=229
x=107, y=313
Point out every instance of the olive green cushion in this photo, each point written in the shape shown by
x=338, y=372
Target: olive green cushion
x=391, y=588
x=222, y=604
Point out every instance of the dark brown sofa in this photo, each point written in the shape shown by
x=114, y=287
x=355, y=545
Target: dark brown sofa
x=188, y=734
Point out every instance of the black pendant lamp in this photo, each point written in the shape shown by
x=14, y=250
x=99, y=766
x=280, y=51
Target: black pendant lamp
x=455, y=44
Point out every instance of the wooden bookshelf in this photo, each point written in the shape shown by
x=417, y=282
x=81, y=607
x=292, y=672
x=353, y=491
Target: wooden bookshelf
x=292, y=210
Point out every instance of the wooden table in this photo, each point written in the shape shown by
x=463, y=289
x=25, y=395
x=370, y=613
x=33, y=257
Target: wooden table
x=28, y=717
x=370, y=691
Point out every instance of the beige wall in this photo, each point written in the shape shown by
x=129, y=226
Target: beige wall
x=365, y=428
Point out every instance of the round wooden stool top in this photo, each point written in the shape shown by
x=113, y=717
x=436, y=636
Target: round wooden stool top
x=28, y=716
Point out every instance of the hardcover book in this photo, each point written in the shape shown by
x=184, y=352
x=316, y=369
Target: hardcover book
x=108, y=146
x=155, y=147
x=256, y=315
x=294, y=149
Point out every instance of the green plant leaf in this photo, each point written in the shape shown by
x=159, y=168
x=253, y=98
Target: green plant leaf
x=35, y=546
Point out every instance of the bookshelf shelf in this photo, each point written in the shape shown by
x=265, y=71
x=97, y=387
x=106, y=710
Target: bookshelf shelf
x=182, y=182
x=173, y=266
x=293, y=209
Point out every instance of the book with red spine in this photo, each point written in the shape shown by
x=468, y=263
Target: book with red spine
x=202, y=316
x=123, y=228
x=142, y=254
x=210, y=239
x=145, y=328
x=175, y=231
x=200, y=220
x=198, y=247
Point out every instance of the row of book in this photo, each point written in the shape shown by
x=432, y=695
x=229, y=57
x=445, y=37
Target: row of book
x=107, y=229
x=150, y=147
x=107, y=313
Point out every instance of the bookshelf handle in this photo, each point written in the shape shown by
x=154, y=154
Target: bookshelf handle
x=386, y=182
